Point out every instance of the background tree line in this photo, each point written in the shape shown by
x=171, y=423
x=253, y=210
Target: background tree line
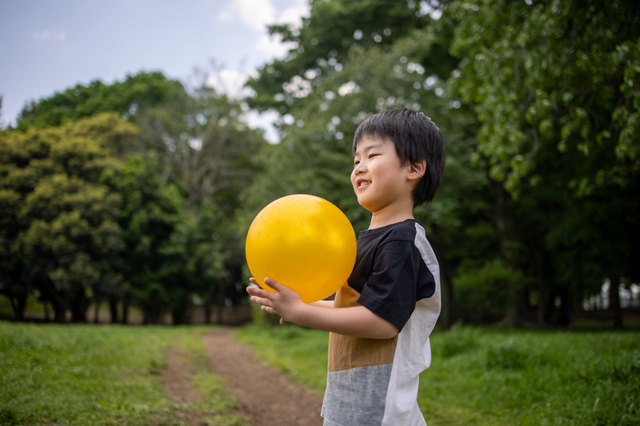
x=125, y=194
x=141, y=192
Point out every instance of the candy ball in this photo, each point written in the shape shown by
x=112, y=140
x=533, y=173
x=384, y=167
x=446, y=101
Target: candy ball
x=303, y=242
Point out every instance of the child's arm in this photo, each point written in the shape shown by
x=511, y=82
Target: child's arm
x=355, y=321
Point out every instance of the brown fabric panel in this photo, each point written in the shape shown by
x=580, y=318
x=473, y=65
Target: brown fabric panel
x=347, y=352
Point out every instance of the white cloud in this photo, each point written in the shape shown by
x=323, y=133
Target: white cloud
x=273, y=46
x=294, y=13
x=48, y=35
x=257, y=14
x=230, y=82
x=264, y=121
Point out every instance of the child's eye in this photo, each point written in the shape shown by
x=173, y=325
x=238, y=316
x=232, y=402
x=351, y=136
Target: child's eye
x=373, y=155
x=355, y=163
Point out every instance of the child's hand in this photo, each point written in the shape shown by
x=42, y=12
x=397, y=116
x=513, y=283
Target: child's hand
x=284, y=302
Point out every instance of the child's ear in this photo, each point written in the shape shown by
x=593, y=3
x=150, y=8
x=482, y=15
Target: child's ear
x=417, y=170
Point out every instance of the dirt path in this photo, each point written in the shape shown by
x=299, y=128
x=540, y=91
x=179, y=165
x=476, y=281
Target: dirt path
x=267, y=396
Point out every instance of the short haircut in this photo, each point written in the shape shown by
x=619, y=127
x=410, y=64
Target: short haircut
x=416, y=138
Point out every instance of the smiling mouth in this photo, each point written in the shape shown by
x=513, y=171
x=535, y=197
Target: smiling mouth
x=363, y=184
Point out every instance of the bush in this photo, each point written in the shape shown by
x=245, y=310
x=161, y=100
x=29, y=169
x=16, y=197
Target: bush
x=456, y=341
x=484, y=293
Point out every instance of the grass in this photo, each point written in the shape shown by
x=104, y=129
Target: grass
x=486, y=376
x=87, y=374
x=83, y=374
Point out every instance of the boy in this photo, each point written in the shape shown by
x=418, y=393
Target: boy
x=382, y=317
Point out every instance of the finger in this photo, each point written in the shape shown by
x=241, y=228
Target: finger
x=254, y=281
x=260, y=300
x=255, y=291
x=269, y=310
x=274, y=284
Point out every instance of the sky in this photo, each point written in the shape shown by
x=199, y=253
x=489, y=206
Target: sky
x=48, y=46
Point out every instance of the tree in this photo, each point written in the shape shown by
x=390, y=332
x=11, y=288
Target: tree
x=196, y=159
x=553, y=75
x=315, y=155
x=206, y=149
x=323, y=42
x=554, y=88
x=63, y=238
x=596, y=238
x=203, y=146
x=149, y=214
x=127, y=98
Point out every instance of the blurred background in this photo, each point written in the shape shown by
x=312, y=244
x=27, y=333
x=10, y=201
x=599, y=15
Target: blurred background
x=139, y=139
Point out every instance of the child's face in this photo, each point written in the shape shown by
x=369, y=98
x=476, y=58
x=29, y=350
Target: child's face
x=378, y=179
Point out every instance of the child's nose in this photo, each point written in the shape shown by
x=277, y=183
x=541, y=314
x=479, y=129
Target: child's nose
x=359, y=168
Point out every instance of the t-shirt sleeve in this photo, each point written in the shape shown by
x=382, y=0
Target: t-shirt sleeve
x=391, y=291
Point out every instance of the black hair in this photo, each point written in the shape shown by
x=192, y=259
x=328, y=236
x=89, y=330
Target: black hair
x=416, y=138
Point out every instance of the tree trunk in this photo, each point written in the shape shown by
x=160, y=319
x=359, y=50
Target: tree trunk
x=541, y=288
x=152, y=315
x=125, y=310
x=19, y=305
x=566, y=306
x=113, y=310
x=96, y=311
x=220, y=301
x=58, y=301
x=207, y=310
x=181, y=309
x=513, y=317
x=59, y=312
x=46, y=310
x=79, y=307
x=614, y=299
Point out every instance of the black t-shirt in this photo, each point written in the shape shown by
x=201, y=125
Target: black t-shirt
x=390, y=273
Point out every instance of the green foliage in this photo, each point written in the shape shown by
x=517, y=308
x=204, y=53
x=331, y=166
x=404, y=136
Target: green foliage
x=207, y=151
x=65, y=237
x=552, y=76
x=483, y=293
x=167, y=213
x=322, y=45
x=489, y=376
x=96, y=375
x=537, y=100
x=204, y=146
x=325, y=107
x=148, y=218
x=582, y=255
x=315, y=153
x=136, y=92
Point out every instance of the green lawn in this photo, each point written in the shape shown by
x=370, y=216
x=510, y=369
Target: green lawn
x=487, y=376
x=87, y=374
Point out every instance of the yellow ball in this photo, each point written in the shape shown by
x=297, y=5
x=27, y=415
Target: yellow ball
x=303, y=242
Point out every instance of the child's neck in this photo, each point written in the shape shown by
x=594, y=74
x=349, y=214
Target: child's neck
x=389, y=217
